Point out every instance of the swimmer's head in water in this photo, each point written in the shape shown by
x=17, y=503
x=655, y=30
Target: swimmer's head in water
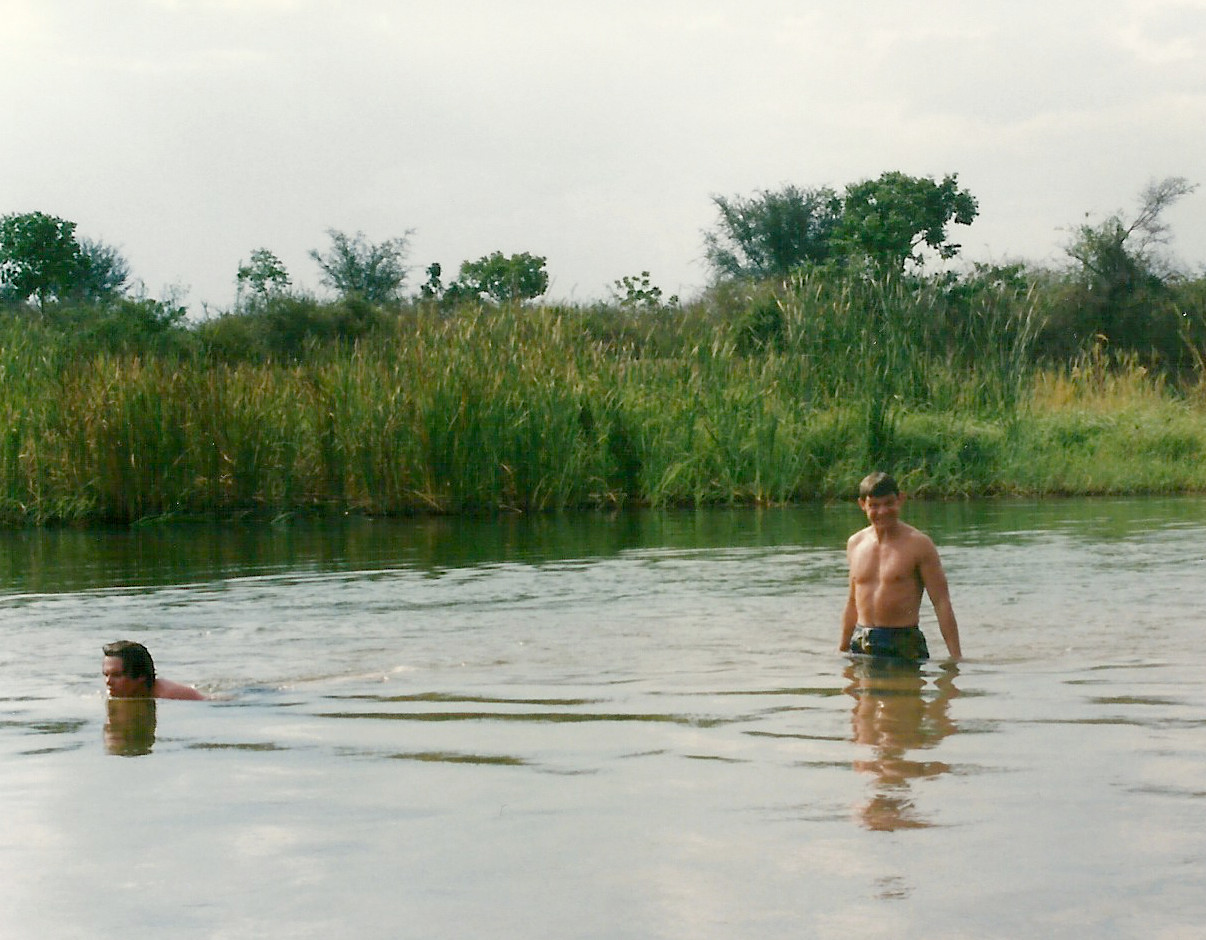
x=128, y=669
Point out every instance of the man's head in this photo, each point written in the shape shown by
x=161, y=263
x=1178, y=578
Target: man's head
x=880, y=498
x=128, y=669
x=878, y=484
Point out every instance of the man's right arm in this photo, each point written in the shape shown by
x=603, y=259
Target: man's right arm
x=849, y=619
x=850, y=613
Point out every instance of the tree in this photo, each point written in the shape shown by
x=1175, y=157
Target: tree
x=504, y=280
x=1121, y=277
x=357, y=268
x=638, y=294
x=1117, y=250
x=39, y=257
x=886, y=221
x=107, y=272
x=264, y=276
x=433, y=287
x=772, y=233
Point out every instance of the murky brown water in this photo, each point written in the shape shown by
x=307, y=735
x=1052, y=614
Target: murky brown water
x=606, y=727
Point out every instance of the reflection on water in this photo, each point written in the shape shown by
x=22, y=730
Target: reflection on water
x=130, y=726
x=629, y=726
x=895, y=715
x=38, y=560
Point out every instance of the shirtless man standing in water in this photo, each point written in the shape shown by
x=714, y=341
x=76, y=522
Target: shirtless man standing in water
x=891, y=564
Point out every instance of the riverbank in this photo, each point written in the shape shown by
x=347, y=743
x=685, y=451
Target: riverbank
x=541, y=410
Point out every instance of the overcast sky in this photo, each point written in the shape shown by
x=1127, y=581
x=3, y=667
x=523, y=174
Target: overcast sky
x=188, y=133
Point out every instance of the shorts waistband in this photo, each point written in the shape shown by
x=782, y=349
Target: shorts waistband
x=910, y=626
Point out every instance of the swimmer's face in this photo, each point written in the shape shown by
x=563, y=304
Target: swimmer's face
x=118, y=683
x=882, y=511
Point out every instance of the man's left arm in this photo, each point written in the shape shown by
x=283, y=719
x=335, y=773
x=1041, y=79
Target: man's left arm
x=934, y=580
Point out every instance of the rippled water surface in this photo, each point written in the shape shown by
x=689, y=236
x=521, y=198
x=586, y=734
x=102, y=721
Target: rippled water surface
x=633, y=726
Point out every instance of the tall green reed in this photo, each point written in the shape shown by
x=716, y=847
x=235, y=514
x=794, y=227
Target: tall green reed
x=540, y=409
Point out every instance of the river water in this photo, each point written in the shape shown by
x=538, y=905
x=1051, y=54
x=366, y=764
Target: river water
x=631, y=726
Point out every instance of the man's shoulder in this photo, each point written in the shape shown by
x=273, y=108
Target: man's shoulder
x=165, y=688
x=858, y=537
x=916, y=540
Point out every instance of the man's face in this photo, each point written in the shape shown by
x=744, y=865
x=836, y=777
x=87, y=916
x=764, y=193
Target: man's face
x=883, y=512
x=118, y=683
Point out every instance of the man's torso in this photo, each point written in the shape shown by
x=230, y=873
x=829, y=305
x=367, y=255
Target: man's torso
x=887, y=582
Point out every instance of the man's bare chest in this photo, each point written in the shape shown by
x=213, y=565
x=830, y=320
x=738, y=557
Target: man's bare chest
x=882, y=564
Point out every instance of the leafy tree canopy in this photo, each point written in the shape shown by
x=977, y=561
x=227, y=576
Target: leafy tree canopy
x=772, y=232
x=433, y=287
x=638, y=293
x=39, y=257
x=881, y=224
x=503, y=279
x=1119, y=250
x=106, y=272
x=355, y=267
x=264, y=276
x=888, y=220
x=1121, y=280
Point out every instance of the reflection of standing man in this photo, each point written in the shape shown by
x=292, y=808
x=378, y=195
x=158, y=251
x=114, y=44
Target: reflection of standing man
x=891, y=564
x=895, y=717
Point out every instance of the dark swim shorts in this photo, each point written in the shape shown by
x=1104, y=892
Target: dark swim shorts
x=896, y=642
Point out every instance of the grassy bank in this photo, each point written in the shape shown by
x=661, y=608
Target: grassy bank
x=787, y=396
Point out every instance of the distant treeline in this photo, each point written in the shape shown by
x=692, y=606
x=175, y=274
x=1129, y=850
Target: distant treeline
x=785, y=381
x=755, y=394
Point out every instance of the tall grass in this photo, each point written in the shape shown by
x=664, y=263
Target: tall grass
x=780, y=394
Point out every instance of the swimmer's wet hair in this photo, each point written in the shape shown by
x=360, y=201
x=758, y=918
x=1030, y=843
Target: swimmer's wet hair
x=136, y=662
x=878, y=484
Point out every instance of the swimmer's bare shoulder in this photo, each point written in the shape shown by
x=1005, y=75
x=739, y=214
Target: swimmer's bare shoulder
x=165, y=688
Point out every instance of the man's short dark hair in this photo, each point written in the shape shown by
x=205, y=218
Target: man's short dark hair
x=878, y=484
x=136, y=662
